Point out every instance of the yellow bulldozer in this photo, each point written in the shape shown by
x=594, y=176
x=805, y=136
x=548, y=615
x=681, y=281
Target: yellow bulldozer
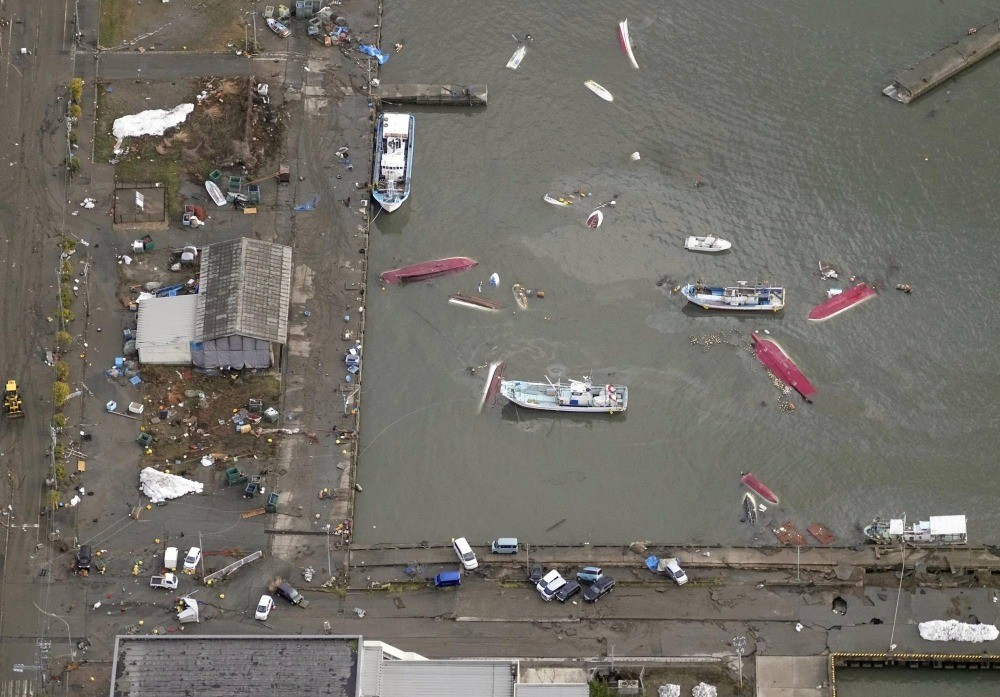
x=12, y=401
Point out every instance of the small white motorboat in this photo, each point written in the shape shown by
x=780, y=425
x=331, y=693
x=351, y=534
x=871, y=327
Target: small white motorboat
x=707, y=244
x=557, y=201
x=515, y=60
x=599, y=91
x=595, y=219
x=215, y=192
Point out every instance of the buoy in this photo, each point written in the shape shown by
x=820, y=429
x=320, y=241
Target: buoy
x=635, y=157
x=495, y=280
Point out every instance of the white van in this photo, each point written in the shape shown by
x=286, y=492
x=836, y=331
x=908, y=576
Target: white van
x=504, y=545
x=170, y=559
x=465, y=553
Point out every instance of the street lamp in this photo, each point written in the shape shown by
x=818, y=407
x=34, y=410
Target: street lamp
x=740, y=646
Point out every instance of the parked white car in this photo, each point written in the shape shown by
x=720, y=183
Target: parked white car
x=191, y=560
x=465, y=553
x=550, y=583
x=264, y=607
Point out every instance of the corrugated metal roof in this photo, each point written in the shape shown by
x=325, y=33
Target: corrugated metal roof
x=246, y=286
x=447, y=679
x=551, y=689
x=370, y=668
x=165, y=329
x=224, y=666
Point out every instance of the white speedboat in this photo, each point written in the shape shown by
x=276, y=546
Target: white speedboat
x=574, y=396
x=707, y=244
x=599, y=91
x=393, y=162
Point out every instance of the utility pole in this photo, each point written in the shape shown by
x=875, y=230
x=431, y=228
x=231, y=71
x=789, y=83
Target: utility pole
x=740, y=646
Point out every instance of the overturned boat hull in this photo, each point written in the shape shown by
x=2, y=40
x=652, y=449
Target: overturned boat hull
x=427, y=269
x=778, y=362
x=474, y=302
x=841, y=302
x=625, y=41
x=754, y=483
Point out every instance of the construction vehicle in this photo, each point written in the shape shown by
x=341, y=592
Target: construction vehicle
x=12, y=401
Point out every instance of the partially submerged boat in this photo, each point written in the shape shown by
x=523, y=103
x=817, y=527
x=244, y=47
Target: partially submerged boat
x=427, y=269
x=475, y=301
x=625, y=41
x=777, y=361
x=599, y=91
x=595, y=219
x=278, y=28
x=707, y=244
x=754, y=483
x=215, y=192
x=515, y=60
x=393, y=161
x=749, y=509
x=520, y=295
x=557, y=200
x=938, y=530
x=841, y=302
x=739, y=297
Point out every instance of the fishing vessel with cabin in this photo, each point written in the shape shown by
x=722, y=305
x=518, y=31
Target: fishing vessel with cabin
x=393, y=161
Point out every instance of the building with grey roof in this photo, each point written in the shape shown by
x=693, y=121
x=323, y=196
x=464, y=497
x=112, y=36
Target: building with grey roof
x=223, y=666
x=243, y=298
x=340, y=666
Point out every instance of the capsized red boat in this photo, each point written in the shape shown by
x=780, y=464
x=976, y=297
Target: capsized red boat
x=427, y=269
x=759, y=487
x=841, y=302
x=778, y=362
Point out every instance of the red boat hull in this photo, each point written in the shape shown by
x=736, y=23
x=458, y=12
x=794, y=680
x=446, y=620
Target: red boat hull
x=427, y=269
x=778, y=362
x=759, y=487
x=840, y=303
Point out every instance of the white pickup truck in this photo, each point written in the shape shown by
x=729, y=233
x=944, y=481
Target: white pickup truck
x=165, y=581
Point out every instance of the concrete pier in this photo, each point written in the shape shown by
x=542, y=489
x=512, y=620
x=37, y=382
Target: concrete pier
x=943, y=64
x=435, y=95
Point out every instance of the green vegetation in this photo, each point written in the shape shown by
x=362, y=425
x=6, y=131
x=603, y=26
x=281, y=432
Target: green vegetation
x=66, y=296
x=67, y=315
x=73, y=164
x=68, y=245
x=62, y=371
x=63, y=340
x=75, y=111
x=54, y=499
x=152, y=169
x=59, y=421
x=76, y=90
x=65, y=271
x=60, y=393
x=60, y=468
x=601, y=689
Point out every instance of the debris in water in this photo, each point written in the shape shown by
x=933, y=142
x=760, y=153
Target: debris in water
x=905, y=287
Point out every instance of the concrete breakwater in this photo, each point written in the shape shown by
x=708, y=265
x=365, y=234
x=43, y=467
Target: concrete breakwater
x=977, y=44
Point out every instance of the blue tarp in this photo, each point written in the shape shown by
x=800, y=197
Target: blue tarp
x=370, y=50
x=309, y=205
x=652, y=562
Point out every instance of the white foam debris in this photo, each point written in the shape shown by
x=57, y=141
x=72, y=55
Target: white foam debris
x=704, y=690
x=160, y=486
x=953, y=630
x=154, y=122
x=669, y=690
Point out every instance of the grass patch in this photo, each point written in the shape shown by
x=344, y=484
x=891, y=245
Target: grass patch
x=116, y=22
x=154, y=169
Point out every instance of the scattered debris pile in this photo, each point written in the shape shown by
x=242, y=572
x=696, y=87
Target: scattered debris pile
x=161, y=486
x=953, y=630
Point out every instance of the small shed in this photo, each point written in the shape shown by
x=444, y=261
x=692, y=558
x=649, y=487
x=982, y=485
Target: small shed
x=165, y=330
x=242, y=316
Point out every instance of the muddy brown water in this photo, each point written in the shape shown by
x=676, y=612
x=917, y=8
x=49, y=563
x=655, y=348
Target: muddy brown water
x=778, y=108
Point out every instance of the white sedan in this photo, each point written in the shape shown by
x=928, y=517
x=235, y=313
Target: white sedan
x=264, y=606
x=191, y=560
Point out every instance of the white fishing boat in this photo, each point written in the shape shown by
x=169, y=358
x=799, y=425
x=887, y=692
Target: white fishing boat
x=557, y=201
x=215, y=192
x=578, y=396
x=515, y=60
x=599, y=91
x=938, y=530
x=278, y=28
x=707, y=244
x=626, y=43
x=393, y=161
x=739, y=297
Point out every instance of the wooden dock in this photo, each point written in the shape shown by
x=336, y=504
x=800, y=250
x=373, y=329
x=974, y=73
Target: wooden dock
x=432, y=95
x=945, y=63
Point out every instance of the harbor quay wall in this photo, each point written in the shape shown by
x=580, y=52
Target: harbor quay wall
x=939, y=66
x=868, y=557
